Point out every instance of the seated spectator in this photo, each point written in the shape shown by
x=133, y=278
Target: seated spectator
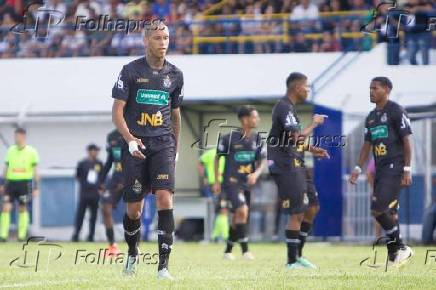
x=73, y=44
x=359, y=5
x=53, y=49
x=328, y=43
x=131, y=8
x=56, y=5
x=301, y=44
x=9, y=45
x=117, y=44
x=305, y=11
x=286, y=6
x=100, y=40
x=161, y=9
x=134, y=43
x=183, y=40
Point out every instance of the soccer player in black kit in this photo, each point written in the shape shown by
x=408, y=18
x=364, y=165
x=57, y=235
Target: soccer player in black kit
x=387, y=133
x=113, y=187
x=286, y=145
x=244, y=162
x=148, y=94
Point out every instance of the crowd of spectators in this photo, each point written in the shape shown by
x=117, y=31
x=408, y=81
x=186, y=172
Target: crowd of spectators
x=307, y=31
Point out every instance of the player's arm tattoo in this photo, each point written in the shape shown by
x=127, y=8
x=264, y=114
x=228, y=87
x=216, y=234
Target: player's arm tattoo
x=407, y=145
x=119, y=121
x=176, y=121
x=364, y=153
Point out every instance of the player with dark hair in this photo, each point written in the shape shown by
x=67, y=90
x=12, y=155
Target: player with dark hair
x=21, y=184
x=113, y=187
x=286, y=146
x=244, y=162
x=148, y=94
x=387, y=133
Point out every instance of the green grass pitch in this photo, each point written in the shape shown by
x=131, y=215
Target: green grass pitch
x=200, y=266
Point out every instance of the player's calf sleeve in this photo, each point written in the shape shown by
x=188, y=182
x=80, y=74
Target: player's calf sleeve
x=110, y=235
x=392, y=231
x=292, y=243
x=241, y=233
x=131, y=234
x=304, y=232
x=231, y=240
x=23, y=223
x=165, y=229
x=5, y=221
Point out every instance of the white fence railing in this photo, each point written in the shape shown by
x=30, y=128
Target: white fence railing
x=357, y=223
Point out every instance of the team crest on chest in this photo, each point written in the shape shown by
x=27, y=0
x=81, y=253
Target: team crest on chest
x=167, y=82
x=384, y=118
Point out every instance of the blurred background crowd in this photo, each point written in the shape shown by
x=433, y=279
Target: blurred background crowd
x=211, y=26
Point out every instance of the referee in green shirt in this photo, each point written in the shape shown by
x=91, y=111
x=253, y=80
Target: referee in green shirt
x=206, y=168
x=20, y=170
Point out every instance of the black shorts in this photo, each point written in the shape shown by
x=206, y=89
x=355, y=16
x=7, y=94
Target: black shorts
x=292, y=190
x=233, y=197
x=312, y=193
x=113, y=192
x=18, y=190
x=155, y=172
x=387, y=187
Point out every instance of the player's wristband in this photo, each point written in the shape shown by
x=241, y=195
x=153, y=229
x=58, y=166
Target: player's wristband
x=133, y=146
x=407, y=169
x=358, y=169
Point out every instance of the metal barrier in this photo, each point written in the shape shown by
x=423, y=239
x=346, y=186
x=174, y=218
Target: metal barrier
x=281, y=34
x=357, y=222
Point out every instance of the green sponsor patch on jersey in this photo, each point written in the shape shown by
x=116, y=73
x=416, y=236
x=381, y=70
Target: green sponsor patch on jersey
x=244, y=156
x=116, y=152
x=379, y=132
x=152, y=97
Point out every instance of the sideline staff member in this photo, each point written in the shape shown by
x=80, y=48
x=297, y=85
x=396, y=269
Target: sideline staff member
x=88, y=175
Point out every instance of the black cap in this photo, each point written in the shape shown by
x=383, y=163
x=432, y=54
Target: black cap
x=92, y=146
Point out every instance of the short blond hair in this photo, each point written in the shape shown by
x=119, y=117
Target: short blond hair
x=156, y=24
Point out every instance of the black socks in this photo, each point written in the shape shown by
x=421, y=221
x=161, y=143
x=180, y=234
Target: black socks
x=392, y=230
x=292, y=243
x=132, y=234
x=304, y=232
x=110, y=235
x=165, y=229
x=237, y=234
x=241, y=233
x=232, y=240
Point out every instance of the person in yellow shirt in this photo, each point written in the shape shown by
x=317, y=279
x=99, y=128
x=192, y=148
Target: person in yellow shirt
x=21, y=183
x=206, y=168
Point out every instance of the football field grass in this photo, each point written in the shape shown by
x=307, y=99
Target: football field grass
x=200, y=266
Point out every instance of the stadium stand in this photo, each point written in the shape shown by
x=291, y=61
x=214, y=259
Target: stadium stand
x=204, y=27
